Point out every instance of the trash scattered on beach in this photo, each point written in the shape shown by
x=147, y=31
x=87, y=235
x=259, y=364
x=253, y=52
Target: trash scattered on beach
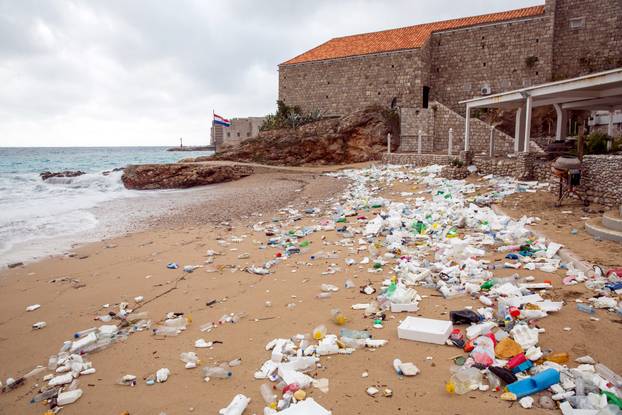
x=389, y=257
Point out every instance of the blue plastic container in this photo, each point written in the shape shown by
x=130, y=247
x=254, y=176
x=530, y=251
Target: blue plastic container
x=534, y=384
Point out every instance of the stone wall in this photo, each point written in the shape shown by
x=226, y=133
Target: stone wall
x=601, y=179
x=465, y=60
x=456, y=64
x=588, y=36
x=341, y=86
x=411, y=121
x=601, y=175
x=418, y=160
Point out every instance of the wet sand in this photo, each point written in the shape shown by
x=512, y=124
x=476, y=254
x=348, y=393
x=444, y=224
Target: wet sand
x=117, y=270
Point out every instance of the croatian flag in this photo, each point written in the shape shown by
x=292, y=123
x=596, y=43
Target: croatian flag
x=218, y=120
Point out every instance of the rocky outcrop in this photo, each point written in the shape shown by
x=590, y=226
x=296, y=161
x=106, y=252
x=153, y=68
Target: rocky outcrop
x=67, y=173
x=360, y=136
x=180, y=175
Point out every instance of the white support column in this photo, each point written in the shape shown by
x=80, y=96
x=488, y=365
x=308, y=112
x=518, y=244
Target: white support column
x=528, y=105
x=419, y=142
x=560, y=122
x=389, y=143
x=491, y=144
x=517, y=130
x=467, y=129
x=610, y=130
x=451, y=141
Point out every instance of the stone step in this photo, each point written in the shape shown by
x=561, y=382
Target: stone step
x=613, y=220
x=596, y=228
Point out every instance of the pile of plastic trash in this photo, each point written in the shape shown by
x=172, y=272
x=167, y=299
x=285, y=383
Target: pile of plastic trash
x=62, y=384
x=502, y=340
x=292, y=359
x=438, y=238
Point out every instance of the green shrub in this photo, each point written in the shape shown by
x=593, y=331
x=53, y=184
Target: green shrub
x=596, y=143
x=456, y=163
x=288, y=117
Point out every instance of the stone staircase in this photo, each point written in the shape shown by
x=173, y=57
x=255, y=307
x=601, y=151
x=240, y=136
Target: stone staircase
x=608, y=227
x=434, y=123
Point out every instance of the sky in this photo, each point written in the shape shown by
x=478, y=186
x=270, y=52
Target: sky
x=147, y=72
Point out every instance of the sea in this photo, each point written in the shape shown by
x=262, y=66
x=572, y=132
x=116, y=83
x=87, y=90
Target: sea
x=39, y=218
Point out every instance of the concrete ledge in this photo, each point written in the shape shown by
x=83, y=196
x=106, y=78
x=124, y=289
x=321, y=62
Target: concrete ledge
x=595, y=228
x=613, y=220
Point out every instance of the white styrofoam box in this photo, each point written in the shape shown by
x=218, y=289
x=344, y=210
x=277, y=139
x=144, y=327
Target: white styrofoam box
x=398, y=308
x=425, y=330
x=306, y=407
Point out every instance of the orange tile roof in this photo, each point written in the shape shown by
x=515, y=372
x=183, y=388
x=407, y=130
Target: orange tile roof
x=410, y=37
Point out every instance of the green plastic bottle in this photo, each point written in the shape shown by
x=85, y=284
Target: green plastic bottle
x=391, y=289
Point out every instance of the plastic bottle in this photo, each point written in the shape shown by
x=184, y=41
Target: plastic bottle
x=65, y=398
x=177, y=322
x=319, y=332
x=83, y=333
x=608, y=375
x=216, y=372
x=53, y=362
x=190, y=359
x=338, y=317
x=268, y=395
x=323, y=296
x=354, y=334
x=464, y=381
x=45, y=395
x=493, y=381
x=353, y=343
x=585, y=308
x=166, y=331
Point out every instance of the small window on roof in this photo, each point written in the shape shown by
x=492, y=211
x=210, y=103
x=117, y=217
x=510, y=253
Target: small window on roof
x=577, y=22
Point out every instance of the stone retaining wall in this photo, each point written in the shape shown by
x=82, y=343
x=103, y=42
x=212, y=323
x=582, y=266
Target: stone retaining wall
x=601, y=179
x=418, y=160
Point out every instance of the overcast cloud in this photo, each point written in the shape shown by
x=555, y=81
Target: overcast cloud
x=146, y=72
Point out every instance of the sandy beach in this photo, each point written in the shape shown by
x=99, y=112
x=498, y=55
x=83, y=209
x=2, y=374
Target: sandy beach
x=72, y=290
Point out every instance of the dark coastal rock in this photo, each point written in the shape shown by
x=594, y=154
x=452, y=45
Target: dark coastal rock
x=107, y=172
x=179, y=176
x=357, y=137
x=67, y=173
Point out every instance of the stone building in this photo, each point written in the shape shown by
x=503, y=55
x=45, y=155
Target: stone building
x=457, y=59
x=241, y=129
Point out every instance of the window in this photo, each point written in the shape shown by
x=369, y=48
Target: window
x=228, y=134
x=577, y=22
x=248, y=134
x=238, y=134
x=484, y=64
